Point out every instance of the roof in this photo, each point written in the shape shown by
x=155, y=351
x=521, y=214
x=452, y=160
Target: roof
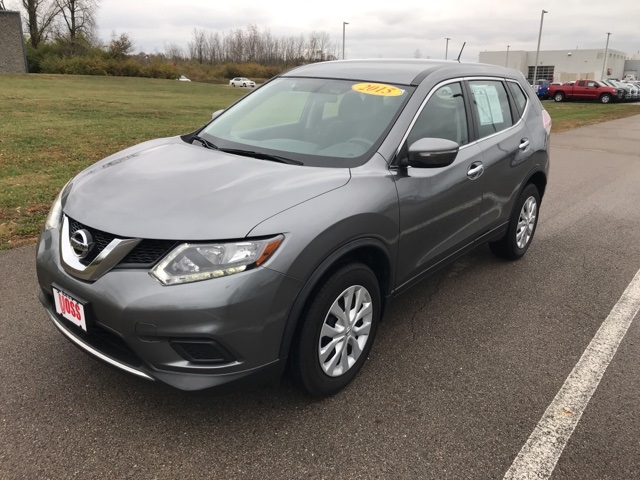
x=403, y=71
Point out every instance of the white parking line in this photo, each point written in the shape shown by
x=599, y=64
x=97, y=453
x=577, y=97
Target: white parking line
x=538, y=457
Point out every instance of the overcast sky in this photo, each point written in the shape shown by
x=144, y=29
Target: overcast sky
x=386, y=28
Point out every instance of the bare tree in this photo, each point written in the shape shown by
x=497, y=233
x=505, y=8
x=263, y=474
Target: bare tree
x=214, y=48
x=238, y=46
x=198, y=47
x=252, y=41
x=40, y=17
x=79, y=19
x=174, y=52
x=289, y=50
x=301, y=44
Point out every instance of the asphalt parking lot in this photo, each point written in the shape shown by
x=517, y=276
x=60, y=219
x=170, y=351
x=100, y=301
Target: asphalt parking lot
x=464, y=366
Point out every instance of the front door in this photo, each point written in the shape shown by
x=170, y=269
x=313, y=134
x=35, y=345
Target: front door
x=439, y=207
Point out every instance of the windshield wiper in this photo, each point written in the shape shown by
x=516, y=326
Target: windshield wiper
x=261, y=156
x=205, y=143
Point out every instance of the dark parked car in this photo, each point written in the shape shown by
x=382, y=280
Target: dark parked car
x=541, y=87
x=280, y=230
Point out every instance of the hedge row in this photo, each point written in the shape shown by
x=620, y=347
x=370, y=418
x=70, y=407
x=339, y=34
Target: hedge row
x=96, y=65
x=153, y=68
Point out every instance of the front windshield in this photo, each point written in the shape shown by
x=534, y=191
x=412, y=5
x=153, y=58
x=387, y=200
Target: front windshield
x=319, y=122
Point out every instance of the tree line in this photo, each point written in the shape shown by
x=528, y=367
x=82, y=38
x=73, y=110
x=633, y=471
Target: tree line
x=61, y=38
x=253, y=45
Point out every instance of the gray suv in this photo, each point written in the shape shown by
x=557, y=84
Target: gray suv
x=274, y=235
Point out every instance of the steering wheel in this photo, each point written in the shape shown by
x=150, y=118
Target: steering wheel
x=361, y=141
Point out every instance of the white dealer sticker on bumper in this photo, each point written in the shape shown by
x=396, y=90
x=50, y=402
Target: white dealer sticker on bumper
x=69, y=308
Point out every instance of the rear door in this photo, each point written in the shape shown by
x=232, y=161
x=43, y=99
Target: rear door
x=580, y=89
x=499, y=108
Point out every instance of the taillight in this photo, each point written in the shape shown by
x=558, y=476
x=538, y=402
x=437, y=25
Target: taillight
x=546, y=121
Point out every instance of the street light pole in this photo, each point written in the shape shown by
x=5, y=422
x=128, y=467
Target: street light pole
x=344, y=24
x=604, y=62
x=535, y=68
x=446, y=51
x=506, y=63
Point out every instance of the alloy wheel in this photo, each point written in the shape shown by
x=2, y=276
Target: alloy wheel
x=345, y=331
x=526, y=222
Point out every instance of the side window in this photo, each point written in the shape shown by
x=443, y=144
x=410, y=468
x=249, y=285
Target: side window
x=443, y=116
x=518, y=95
x=492, y=106
x=591, y=84
x=581, y=83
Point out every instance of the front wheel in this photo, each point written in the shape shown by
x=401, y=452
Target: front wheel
x=338, y=330
x=558, y=97
x=522, y=226
x=605, y=98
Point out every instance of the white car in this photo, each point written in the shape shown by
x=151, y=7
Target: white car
x=242, y=82
x=184, y=79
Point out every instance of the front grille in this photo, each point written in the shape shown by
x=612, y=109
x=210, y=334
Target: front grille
x=100, y=240
x=144, y=255
x=148, y=252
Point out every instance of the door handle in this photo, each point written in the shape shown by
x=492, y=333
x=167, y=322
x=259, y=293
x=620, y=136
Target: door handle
x=524, y=143
x=475, y=170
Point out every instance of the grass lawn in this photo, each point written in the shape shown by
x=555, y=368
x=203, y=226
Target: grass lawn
x=568, y=115
x=53, y=126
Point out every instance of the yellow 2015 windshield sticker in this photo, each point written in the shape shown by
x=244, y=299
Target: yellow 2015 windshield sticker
x=377, y=89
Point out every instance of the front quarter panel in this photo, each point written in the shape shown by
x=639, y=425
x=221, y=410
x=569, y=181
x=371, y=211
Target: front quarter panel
x=366, y=207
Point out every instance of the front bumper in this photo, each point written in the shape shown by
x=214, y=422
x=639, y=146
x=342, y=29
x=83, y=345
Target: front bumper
x=139, y=326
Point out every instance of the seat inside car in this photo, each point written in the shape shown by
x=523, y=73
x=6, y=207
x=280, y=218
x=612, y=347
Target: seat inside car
x=352, y=112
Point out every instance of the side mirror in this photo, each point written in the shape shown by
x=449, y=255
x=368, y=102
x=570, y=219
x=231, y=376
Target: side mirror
x=432, y=153
x=216, y=114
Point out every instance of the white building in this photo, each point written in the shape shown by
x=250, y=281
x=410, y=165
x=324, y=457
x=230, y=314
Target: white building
x=562, y=65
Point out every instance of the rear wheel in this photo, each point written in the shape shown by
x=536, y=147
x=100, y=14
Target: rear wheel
x=338, y=330
x=605, y=98
x=558, y=97
x=522, y=226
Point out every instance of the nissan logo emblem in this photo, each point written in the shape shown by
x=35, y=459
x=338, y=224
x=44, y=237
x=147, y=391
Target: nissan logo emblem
x=81, y=243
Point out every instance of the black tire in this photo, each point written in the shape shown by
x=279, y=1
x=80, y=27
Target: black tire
x=605, y=98
x=233, y=85
x=558, y=96
x=507, y=247
x=306, y=364
x=244, y=84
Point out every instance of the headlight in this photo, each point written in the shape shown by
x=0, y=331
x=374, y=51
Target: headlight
x=192, y=262
x=55, y=214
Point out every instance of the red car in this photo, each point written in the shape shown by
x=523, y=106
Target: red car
x=584, y=90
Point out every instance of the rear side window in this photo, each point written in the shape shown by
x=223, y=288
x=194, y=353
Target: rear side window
x=518, y=96
x=491, y=104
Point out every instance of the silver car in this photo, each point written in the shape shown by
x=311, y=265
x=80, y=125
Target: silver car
x=277, y=233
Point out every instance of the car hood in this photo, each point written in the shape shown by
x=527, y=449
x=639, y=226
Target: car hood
x=168, y=189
